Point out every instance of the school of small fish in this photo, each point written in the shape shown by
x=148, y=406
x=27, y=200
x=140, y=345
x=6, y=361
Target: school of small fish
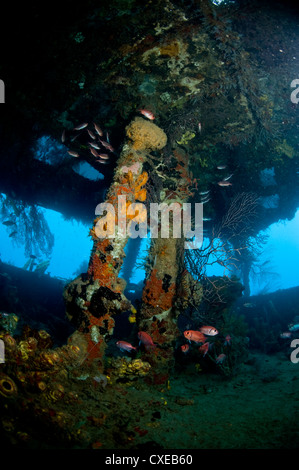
x=200, y=337
x=144, y=338
x=292, y=327
x=197, y=336
x=100, y=147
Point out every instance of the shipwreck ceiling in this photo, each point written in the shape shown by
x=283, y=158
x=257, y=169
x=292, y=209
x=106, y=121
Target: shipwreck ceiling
x=218, y=80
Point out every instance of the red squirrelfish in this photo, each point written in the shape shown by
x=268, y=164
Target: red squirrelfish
x=185, y=348
x=203, y=349
x=146, y=340
x=227, y=340
x=220, y=358
x=208, y=330
x=147, y=114
x=285, y=334
x=125, y=346
x=196, y=336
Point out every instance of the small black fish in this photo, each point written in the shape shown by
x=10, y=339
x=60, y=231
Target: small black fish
x=8, y=223
x=12, y=234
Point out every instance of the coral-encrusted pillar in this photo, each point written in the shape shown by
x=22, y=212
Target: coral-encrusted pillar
x=158, y=315
x=93, y=298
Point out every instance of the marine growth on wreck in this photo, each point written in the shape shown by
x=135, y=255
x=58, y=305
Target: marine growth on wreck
x=173, y=109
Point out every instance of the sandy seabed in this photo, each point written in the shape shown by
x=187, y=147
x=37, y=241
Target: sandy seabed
x=256, y=409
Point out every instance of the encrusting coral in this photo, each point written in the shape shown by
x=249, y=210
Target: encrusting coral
x=145, y=135
x=93, y=298
x=127, y=368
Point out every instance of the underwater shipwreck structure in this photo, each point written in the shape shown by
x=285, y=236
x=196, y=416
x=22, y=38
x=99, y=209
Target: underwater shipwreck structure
x=223, y=137
x=94, y=298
